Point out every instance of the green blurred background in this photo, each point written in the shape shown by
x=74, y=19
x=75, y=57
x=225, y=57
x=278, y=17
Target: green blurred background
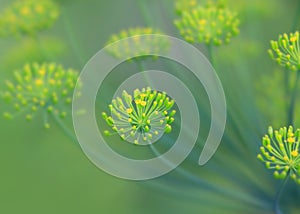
x=42, y=171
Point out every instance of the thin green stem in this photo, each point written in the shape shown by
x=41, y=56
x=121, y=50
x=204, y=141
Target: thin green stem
x=293, y=101
x=286, y=86
x=279, y=193
x=65, y=129
x=73, y=40
x=210, y=54
x=140, y=65
x=144, y=9
x=141, y=68
x=296, y=19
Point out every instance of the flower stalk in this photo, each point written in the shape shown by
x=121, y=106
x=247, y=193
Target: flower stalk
x=279, y=194
x=291, y=110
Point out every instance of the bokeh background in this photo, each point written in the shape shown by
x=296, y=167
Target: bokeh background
x=42, y=171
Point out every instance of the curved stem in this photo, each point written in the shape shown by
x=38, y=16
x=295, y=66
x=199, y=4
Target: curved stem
x=65, y=129
x=279, y=193
x=293, y=101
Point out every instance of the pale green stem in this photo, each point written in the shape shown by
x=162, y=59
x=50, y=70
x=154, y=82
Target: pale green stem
x=296, y=19
x=287, y=88
x=65, y=129
x=293, y=101
x=140, y=65
x=73, y=40
x=210, y=54
x=141, y=69
x=144, y=10
x=279, y=193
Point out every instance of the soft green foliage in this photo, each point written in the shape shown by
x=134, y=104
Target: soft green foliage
x=233, y=182
x=137, y=45
x=213, y=24
x=280, y=151
x=257, y=9
x=141, y=117
x=47, y=87
x=271, y=90
x=29, y=50
x=286, y=51
x=27, y=17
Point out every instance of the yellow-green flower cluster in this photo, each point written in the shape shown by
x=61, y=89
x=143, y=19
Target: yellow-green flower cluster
x=27, y=17
x=185, y=5
x=212, y=24
x=47, y=87
x=141, y=117
x=286, y=51
x=137, y=45
x=188, y=5
x=280, y=151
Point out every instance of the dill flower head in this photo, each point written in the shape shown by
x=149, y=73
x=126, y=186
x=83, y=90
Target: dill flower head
x=137, y=44
x=280, y=151
x=141, y=118
x=212, y=24
x=286, y=51
x=47, y=87
x=27, y=17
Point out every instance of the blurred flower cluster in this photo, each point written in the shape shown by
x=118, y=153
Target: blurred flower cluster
x=212, y=23
x=47, y=87
x=28, y=17
x=136, y=44
x=188, y=5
